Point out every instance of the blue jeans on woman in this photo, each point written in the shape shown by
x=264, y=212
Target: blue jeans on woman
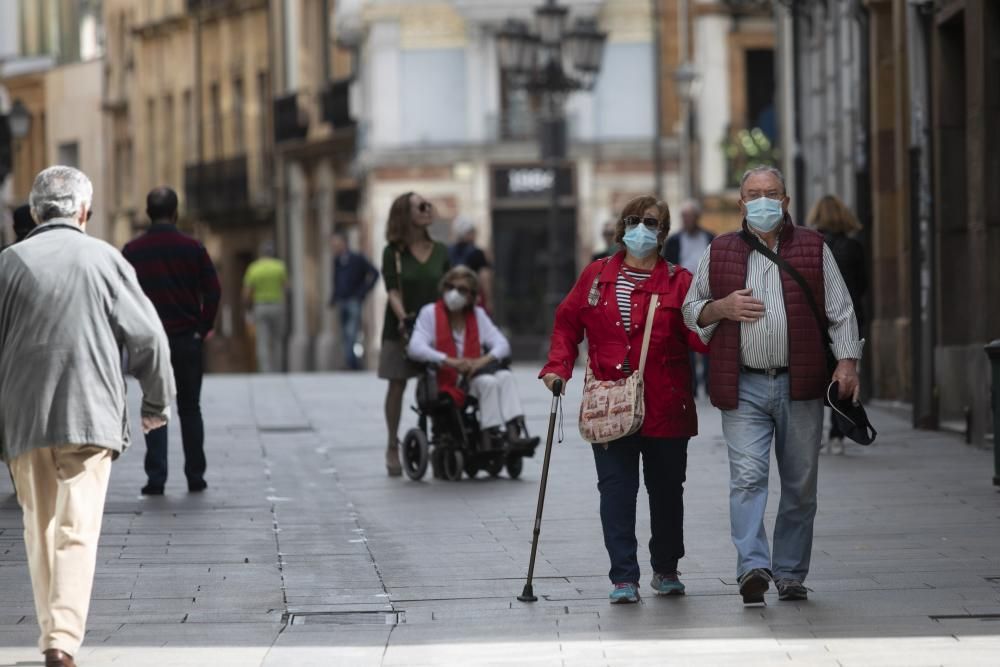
x=664, y=468
x=766, y=413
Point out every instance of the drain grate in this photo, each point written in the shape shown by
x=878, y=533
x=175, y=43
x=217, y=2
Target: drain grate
x=287, y=430
x=344, y=618
x=966, y=617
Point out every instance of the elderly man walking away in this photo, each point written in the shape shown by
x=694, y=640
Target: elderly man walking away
x=264, y=286
x=769, y=374
x=178, y=276
x=70, y=305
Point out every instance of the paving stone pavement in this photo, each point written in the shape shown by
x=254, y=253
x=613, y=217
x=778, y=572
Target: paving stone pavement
x=303, y=552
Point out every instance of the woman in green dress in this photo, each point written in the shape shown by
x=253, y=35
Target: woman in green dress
x=412, y=265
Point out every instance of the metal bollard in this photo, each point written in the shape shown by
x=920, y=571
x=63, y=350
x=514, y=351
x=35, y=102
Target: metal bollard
x=993, y=352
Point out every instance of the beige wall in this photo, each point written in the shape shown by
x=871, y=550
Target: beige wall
x=73, y=116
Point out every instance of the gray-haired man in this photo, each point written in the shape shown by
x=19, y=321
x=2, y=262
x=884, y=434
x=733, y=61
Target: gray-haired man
x=70, y=305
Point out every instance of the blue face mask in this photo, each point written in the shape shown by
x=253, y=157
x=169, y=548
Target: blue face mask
x=640, y=241
x=764, y=214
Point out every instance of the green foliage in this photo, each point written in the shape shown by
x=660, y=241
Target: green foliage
x=746, y=149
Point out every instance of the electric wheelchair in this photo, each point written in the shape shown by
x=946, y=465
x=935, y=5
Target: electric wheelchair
x=449, y=439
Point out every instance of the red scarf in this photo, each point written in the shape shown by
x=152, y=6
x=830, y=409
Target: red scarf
x=444, y=341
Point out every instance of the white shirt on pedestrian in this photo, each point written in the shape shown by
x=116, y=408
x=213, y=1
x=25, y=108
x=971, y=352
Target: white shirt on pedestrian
x=692, y=247
x=764, y=343
x=421, y=347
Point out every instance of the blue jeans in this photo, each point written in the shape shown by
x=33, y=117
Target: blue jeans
x=664, y=467
x=349, y=311
x=766, y=413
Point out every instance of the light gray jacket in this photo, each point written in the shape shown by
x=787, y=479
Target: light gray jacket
x=70, y=306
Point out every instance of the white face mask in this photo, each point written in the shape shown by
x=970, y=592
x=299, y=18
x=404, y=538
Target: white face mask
x=454, y=300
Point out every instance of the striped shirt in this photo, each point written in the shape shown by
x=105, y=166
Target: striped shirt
x=178, y=276
x=764, y=343
x=628, y=278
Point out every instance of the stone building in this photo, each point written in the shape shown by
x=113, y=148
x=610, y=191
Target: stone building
x=914, y=149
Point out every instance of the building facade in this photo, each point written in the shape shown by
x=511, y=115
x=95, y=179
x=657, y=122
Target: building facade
x=914, y=151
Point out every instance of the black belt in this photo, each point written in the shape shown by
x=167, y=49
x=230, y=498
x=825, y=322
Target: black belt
x=766, y=371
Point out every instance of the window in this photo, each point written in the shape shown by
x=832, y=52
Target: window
x=151, y=174
x=264, y=128
x=215, y=97
x=190, y=149
x=239, y=138
x=69, y=154
x=168, y=138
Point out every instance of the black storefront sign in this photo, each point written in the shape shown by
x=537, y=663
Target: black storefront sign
x=531, y=182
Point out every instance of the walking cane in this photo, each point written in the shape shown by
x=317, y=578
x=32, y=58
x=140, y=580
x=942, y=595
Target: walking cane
x=528, y=594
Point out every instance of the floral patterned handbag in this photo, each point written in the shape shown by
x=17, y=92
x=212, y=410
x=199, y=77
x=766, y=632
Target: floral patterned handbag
x=613, y=409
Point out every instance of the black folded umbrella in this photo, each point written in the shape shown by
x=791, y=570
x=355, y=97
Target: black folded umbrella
x=851, y=418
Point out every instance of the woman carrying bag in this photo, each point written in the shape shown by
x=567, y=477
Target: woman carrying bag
x=412, y=266
x=637, y=396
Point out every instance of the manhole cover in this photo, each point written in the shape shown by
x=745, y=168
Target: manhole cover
x=345, y=618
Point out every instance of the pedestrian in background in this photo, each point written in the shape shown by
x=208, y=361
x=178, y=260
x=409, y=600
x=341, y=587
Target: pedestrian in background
x=465, y=252
x=610, y=247
x=412, y=267
x=23, y=223
x=353, y=278
x=686, y=248
x=69, y=305
x=769, y=374
x=179, y=277
x=837, y=223
x=264, y=286
x=609, y=306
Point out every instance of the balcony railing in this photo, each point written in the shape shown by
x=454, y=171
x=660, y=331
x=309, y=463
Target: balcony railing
x=290, y=120
x=217, y=191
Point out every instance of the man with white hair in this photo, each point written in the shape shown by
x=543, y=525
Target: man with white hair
x=465, y=252
x=70, y=306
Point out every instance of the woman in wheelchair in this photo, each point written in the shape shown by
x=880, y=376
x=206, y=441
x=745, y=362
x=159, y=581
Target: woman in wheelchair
x=463, y=341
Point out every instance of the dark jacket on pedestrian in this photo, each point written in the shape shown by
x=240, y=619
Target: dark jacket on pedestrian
x=672, y=248
x=70, y=306
x=353, y=277
x=179, y=278
x=850, y=256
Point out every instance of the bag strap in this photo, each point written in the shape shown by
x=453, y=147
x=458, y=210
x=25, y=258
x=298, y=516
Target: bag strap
x=653, y=303
x=399, y=276
x=783, y=264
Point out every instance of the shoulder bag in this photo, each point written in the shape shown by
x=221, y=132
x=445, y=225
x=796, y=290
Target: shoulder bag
x=613, y=409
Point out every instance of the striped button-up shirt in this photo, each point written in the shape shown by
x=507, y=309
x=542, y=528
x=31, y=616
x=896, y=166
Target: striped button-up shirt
x=764, y=343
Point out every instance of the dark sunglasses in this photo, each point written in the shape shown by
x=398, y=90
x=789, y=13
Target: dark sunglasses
x=425, y=206
x=633, y=220
x=90, y=214
x=461, y=288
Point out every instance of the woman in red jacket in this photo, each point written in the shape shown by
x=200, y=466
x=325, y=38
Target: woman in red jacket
x=609, y=305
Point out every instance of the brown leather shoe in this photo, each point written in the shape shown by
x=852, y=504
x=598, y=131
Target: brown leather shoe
x=56, y=658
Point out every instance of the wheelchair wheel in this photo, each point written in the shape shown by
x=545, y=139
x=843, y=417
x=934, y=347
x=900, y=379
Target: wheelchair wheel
x=471, y=468
x=495, y=466
x=515, y=464
x=415, y=454
x=453, y=464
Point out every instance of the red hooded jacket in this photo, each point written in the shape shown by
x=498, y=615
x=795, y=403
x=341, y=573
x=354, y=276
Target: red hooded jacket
x=670, y=410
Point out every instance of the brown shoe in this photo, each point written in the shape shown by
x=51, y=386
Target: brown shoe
x=56, y=658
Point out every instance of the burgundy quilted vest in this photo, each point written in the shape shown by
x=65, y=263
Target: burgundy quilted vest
x=803, y=249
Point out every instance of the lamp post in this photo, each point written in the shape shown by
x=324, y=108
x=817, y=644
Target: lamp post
x=550, y=63
x=14, y=127
x=19, y=120
x=685, y=77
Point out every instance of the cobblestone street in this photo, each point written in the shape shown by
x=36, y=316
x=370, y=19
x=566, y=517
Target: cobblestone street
x=303, y=552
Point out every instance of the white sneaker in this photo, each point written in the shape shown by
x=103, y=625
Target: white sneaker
x=837, y=446
x=824, y=448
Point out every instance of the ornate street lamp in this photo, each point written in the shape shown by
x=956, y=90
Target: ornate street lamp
x=550, y=63
x=19, y=120
x=685, y=77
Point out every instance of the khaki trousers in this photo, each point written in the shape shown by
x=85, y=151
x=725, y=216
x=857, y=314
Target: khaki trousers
x=61, y=491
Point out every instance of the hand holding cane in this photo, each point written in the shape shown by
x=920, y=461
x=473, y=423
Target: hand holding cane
x=528, y=594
